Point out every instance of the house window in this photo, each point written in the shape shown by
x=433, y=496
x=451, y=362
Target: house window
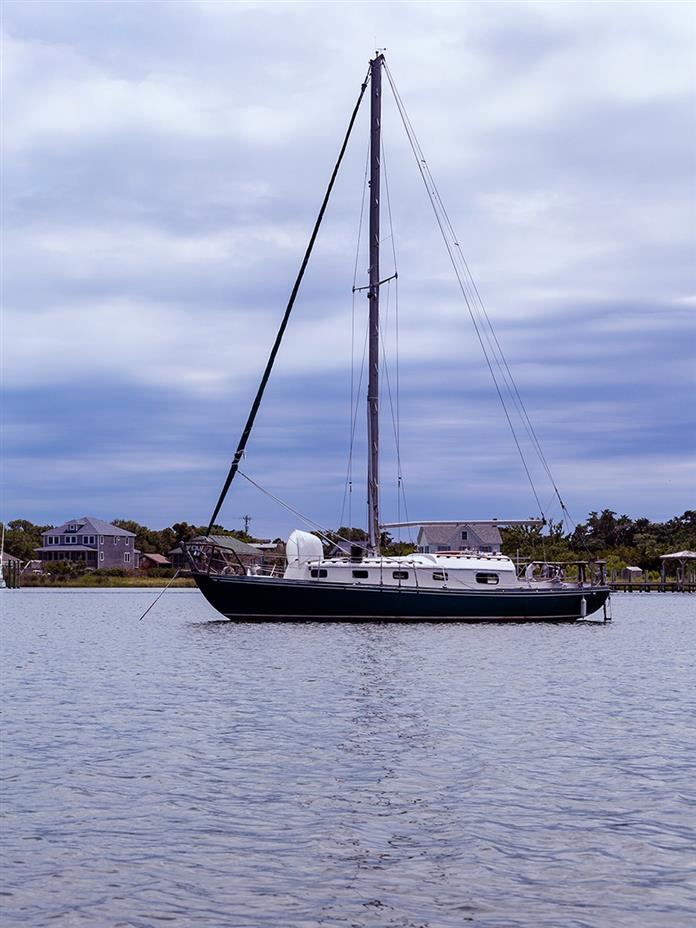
x=360, y=575
x=126, y=557
x=440, y=575
x=485, y=548
x=101, y=555
x=318, y=572
x=489, y=578
x=72, y=527
x=127, y=541
x=101, y=539
x=400, y=575
x=465, y=536
x=116, y=539
x=442, y=548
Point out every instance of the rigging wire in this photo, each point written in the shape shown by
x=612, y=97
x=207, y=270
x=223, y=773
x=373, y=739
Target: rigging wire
x=395, y=407
x=348, y=487
x=324, y=533
x=241, y=446
x=463, y=275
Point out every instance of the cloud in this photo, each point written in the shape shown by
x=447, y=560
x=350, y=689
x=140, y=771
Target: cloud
x=163, y=166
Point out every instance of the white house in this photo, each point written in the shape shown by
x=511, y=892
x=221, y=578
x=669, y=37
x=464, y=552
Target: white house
x=462, y=537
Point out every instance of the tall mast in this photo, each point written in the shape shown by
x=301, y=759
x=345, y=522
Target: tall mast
x=373, y=297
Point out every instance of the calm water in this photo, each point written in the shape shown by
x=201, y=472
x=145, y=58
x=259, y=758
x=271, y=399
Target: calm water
x=192, y=772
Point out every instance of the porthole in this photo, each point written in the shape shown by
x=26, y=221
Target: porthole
x=489, y=578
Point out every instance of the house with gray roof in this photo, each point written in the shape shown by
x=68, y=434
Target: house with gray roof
x=94, y=542
x=239, y=550
x=462, y=537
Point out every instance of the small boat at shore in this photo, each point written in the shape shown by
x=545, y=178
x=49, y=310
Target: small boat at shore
x=366, y=585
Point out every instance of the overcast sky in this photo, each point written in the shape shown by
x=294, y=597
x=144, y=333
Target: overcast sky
x=163, y=166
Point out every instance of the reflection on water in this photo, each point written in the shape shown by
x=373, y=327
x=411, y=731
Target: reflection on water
x=190, y=771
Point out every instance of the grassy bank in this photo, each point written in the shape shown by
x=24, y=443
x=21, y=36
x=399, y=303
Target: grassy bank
x=104, y=582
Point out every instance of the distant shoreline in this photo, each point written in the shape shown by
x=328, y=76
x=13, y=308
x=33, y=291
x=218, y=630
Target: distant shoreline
x=106, y=582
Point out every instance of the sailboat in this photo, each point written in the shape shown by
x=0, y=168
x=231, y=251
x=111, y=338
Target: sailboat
x=365, y=585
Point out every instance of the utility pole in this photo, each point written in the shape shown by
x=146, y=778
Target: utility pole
x=246, y=520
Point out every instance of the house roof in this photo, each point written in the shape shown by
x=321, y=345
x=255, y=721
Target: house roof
x=67, y=548
x=680, y=556
x=443, y=534
x=10, y=558
x=98, y=526
x=156, y=558
x=228, y=542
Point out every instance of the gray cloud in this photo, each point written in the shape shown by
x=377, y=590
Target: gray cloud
x=163, y=165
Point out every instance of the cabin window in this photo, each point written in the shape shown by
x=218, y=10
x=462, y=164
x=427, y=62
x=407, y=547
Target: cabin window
x=440, y=575
x=360, y=575
x=489, y=578
x=400, y=575
x=318, y=572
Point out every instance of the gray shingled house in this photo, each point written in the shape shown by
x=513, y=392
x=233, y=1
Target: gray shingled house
x=463, y=537
x=97, y=543
x=247, y=554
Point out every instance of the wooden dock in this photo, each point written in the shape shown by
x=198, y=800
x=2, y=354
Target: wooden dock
x=651, y=586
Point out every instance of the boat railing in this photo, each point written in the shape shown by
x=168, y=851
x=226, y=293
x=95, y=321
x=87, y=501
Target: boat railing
x=221, y=558
x=583, y=574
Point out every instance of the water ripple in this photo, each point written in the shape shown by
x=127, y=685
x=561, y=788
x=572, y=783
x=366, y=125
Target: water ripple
x=190, y=772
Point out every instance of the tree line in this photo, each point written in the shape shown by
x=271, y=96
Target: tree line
x=620, y=540
x=23, y=537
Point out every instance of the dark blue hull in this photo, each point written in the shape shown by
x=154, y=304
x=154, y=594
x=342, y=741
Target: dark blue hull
x=257, y=599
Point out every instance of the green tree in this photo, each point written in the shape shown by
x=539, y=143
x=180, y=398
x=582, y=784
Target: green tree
x=23, y=537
